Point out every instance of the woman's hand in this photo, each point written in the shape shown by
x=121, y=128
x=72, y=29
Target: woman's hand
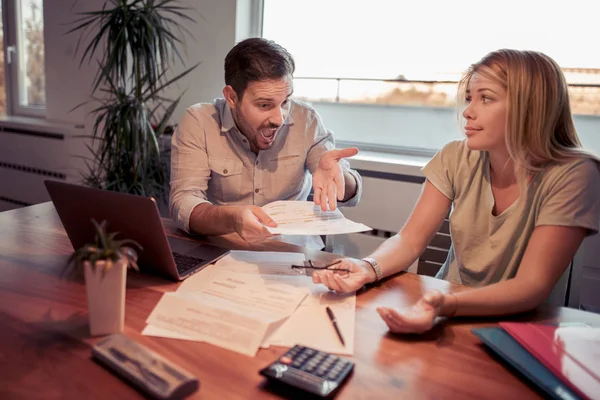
x=416, y=319
x=359, y=274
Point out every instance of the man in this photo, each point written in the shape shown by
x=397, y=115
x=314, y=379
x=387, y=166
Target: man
x=254, y=146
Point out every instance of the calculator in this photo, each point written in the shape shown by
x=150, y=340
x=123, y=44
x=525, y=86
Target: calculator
x=313, y=371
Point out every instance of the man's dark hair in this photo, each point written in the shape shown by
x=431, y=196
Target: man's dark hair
x=256, y=59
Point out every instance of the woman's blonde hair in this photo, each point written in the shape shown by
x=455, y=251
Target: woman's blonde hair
x=539, y=124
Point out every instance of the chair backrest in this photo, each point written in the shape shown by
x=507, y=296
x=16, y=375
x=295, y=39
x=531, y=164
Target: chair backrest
x=436, y=252
x=559, y=296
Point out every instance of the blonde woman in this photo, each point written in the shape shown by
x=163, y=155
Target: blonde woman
x=523, y=193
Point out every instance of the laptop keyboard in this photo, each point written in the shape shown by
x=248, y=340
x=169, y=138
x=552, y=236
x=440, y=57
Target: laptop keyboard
x=184, y=262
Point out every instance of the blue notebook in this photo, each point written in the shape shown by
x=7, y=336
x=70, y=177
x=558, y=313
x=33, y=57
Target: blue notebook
x=498, y=340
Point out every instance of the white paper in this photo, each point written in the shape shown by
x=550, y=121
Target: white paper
x=304, y=218
x=153, y=330
x=210, y=321
x=232, y=310
x=266, y=293
x=310, y=325
x=257, y=263
x=261, y=262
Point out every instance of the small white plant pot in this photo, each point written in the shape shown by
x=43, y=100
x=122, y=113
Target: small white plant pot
x=106, y=297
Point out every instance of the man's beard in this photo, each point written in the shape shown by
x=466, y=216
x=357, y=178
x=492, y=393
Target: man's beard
x=267, y=132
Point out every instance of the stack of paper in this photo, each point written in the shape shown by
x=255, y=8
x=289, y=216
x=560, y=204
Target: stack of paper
x=253, y=299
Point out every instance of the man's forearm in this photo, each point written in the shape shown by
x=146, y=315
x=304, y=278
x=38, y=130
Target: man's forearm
x=208, y=219
x=350, y=186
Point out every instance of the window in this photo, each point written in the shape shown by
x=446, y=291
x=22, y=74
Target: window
x=401, y=52
x=409, y=55
x=2, y=76
x=23, y=32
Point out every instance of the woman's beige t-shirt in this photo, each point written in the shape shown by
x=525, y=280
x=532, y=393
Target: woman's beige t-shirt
x=487, y=248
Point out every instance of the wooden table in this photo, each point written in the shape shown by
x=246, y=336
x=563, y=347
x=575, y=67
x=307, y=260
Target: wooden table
x=45, y=347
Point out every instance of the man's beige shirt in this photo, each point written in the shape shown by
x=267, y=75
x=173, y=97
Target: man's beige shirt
x=211, y=161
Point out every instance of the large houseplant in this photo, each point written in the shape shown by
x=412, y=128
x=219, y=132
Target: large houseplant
x=104, y=264
x=134, y=42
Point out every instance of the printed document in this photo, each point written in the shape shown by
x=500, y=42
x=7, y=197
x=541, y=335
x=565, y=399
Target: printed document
x=266, y=280
x=304, y=218
x=231, y=310
x=310, y=325
x=216, y=321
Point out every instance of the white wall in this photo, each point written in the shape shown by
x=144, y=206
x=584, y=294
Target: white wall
x=214, y=34
x=67, y=85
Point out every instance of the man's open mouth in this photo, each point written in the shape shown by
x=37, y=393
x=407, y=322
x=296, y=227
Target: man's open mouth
x=268, y=133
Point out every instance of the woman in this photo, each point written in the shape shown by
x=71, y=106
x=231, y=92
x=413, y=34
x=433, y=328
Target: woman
x=523, y=194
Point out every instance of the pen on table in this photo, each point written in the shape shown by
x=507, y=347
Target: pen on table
x=335, y=325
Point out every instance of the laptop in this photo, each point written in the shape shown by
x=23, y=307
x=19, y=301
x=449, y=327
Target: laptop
x=134, y=217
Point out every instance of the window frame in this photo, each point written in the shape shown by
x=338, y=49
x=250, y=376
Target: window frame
x=13, y=42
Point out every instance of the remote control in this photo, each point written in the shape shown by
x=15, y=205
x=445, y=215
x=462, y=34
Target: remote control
x=146, y=369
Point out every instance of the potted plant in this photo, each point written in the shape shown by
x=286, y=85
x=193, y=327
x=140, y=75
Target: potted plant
x=105, y=264
x=135, y=43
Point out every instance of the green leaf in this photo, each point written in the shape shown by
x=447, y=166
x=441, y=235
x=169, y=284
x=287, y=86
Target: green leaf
x=134, y=43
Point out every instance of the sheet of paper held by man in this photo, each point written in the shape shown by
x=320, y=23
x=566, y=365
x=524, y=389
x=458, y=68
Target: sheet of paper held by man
x=304, y=218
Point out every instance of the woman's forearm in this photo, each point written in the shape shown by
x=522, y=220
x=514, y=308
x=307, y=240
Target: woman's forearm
x=511, y=296
x=396, y=254
x=400, y=251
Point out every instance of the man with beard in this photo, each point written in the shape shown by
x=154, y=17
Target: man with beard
x=252, y=147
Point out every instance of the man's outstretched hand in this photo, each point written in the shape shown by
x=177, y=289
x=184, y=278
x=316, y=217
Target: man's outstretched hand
x=250, y=223
x=328, y=179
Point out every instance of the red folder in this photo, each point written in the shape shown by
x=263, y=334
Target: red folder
x=571, y=353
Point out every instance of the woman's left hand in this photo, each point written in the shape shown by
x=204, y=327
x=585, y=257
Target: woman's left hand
x=416, y=319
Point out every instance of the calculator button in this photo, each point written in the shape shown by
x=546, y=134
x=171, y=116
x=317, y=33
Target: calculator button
x=333, y=375
x=296, y=363
x=285, y=360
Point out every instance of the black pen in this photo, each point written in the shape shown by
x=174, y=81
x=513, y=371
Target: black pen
x=335, y=325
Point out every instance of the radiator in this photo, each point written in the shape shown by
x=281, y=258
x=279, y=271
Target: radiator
x=386, y=203
x=30, y=156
